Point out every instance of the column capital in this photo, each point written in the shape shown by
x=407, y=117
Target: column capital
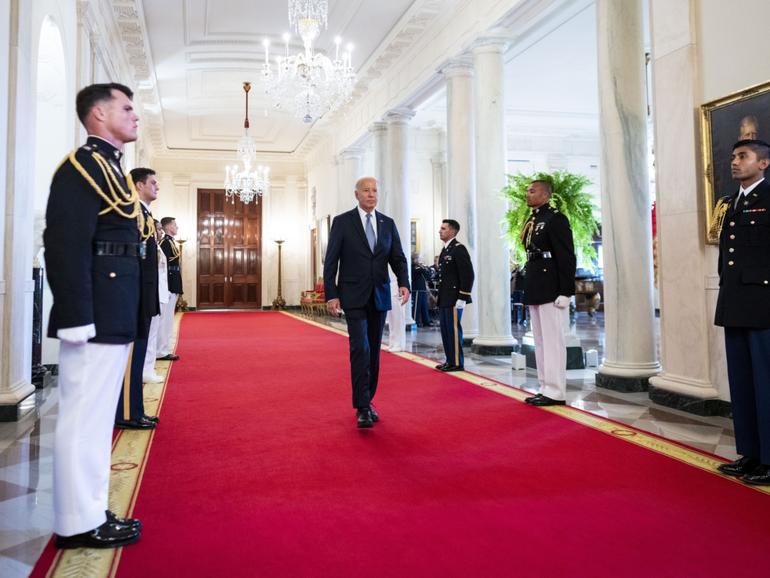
x=378, y=126
x=351, y=153
x=400, y=115
x=495, y=41
x=461, y=66
x=438, y=159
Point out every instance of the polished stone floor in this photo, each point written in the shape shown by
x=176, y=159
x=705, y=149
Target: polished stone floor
x=26, y=510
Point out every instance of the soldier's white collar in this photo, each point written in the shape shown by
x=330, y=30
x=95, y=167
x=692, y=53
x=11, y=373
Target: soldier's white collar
x=751, y=187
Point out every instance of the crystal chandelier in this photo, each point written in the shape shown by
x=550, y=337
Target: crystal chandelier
x=308, y=82
x=245, y=182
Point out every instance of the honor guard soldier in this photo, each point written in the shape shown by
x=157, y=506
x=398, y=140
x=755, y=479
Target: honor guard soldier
x=455, y=281
x=92, y=253
x=742, y=221
x=172, y=252
x=130, y=412
x=550, y=282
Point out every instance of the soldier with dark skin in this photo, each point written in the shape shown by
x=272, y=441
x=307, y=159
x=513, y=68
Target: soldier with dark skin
x=92, y=253
x=743, y=308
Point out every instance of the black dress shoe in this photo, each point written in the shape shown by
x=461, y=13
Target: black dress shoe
x=364, y=418
x=759, y=477
x=139, y=423
x=169, y=357
x=740, y=467
x=108, y=535
x=129, y=522
x=453, y=368
x=533, y=398
x=545, y=401
x=373, y=413
x=442, y=366
x=152, y=418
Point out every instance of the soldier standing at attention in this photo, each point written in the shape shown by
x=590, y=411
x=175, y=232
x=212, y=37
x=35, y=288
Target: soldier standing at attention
x=171, y=251
x=93, y=251
x=550, y=281
x=455, y=280
x=743, y=308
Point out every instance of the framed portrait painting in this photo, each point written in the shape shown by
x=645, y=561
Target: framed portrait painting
x=743, y=115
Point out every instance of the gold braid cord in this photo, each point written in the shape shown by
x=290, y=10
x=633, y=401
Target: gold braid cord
x=174, y=250
x=526, y=231
x=718, y=217
x=117, y=200
x=146, y=226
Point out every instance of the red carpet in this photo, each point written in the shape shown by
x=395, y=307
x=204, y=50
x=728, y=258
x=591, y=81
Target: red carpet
x=257, y=469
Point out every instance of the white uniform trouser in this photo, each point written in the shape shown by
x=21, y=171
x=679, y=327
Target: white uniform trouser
x=166, y=328
x=90, y=378
x=152, y=347
x=396, y=318
x=550, y=349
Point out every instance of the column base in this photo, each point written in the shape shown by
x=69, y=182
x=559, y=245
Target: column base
x=15, y=411
x=575, y=357
x=699, y=406
x=492, y=346
x=622, y=384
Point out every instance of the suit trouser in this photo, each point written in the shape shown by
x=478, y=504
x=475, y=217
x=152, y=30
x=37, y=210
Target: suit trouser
x=152, y=347
x=452, y=334
x=748, y=370
x=550, y=349
x=166, y=328
x=365, y=326
x=90, y=377
x=131, y=398
x=421, y=312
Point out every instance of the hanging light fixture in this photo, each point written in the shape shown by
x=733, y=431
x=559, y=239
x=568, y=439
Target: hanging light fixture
x=308, y=82
x=245, y=182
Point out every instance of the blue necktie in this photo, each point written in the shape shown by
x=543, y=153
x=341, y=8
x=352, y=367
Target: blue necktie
x=370, y=232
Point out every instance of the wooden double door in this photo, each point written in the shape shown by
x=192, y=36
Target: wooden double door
x=229, y=252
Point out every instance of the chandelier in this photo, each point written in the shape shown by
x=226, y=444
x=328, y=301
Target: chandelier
x=247, y=182
x=308, y=82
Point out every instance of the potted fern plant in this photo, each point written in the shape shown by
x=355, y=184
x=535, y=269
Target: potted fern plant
x=569, y=195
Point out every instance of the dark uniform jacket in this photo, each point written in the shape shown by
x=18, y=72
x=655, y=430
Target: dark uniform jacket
x=149, y=300
x=551, y=262
x=455, y=274
x=89, y=288
x=361, y=271
x=171, y=250
x=744, y=262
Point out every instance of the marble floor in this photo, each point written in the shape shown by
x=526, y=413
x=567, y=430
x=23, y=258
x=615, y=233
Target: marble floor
x=26, y=509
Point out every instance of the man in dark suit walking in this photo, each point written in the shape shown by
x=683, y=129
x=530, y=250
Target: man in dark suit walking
x=362, y=243
x=455, y=280
x=130, y=412
x=743, y=308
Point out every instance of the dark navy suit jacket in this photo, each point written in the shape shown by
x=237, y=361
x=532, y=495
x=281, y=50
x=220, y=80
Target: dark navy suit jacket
x=361, y=271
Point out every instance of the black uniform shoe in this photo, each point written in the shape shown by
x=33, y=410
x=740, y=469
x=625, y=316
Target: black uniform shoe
x=533, y=398
x=759, y=477
x=740, y=467
x=169, y=357
x=130, y=522
x=152, y=418
x=364, y=418
x=139, y=423
x=544, y=401
x=108, y=535
x=453, y=368
x=442, y=366
x=373, y=413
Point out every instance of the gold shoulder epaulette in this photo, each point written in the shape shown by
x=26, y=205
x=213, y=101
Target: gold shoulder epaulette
x=718, y=217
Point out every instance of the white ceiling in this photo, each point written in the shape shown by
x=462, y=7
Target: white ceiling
x=203, y=50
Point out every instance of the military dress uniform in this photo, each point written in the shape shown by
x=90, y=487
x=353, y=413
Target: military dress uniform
x=743, y=309
x=130, y=408
x=166, y=329
x=455, y=274
x=549, y=273
x=92, y=254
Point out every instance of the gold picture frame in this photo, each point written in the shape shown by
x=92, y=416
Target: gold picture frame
x=414, y=236
x=744, y=114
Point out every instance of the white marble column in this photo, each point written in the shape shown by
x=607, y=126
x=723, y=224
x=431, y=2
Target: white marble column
x=493, y=265
x=694, y=374
x=379, y=131
x=461, y=164
x=438, y=164
x=629, y=354
x=349, y=165
x=398, y=182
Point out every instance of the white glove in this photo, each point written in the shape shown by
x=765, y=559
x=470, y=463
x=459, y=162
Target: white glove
x=77, y=335
x=562, y=302
x=460, y=303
